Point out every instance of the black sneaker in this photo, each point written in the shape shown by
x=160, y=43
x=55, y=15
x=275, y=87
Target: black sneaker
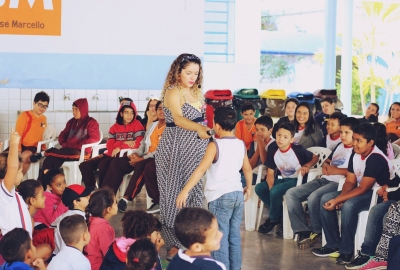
x=35, y=157
x=122, y=206
x=154, y=208
x=359, y=261
x=325, y=252
x=267, y=226
x=306, y=239
x=279, y=229
x=344, y=259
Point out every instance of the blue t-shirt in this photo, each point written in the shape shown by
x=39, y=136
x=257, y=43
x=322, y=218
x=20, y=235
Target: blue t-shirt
x=183, y=261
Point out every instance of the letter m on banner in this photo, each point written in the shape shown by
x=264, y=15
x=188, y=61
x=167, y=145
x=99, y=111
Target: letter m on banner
x=31, y=17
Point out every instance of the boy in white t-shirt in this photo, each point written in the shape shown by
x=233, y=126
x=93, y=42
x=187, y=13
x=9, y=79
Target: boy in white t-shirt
x=331, y=139
x=368, y=167
x=333, y=169
x=75, y=234
x=223, y=190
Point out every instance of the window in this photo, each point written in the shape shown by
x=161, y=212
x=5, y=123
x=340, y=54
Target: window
x=219, y=31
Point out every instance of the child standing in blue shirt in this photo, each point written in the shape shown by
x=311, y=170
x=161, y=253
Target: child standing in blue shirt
x=223, y=190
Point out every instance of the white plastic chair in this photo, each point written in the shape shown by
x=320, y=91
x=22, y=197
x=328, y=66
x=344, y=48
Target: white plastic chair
x=96, y=149
x=251, y=206
x=396, y=150
x=71, y=168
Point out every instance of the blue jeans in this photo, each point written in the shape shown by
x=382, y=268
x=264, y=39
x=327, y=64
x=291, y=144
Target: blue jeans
x=312, y=192
x=244, y=180
x=273, y=197
x=374, y=228
x=349, y=218
x=228, y=209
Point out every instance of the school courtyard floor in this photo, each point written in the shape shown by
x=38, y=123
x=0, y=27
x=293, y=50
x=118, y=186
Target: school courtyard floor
x=260, y=251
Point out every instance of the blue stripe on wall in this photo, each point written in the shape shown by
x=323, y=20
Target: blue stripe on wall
x=83, y=71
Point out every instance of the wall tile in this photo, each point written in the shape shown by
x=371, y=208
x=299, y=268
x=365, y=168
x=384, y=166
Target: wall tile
x=102, y=105
x=12, y=116
x=90, y=93
x=112, y=95
x=51, y=106
x=59, y=128
x=92, y=105
x=58, y=94
x=61, y=118
x=14, y=104
x=95, y=115
x=34, y=92
x=143, y=94
x=59, y=105
x=102, y=118
x=50, y=117
x=112, y=105
x=68, y=105
x=155, y=93
x=14, y=93
x=134, y=95
x=102, y=94
x=4, y=93
x=4, y=104
x=26, y=94
x=111, y=118
x=123, y=93
x=26, y=105
x=105, y=128
x=71, y=93
x=50, y=92
x=141, y=106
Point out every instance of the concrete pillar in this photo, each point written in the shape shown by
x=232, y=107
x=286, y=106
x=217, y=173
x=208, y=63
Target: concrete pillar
x=329, y=44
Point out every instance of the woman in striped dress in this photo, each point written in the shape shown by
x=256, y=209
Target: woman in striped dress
x=183, y=143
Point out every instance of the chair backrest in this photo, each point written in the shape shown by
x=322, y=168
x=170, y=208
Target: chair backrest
x=396, y=150
x=49, y=133
x=396, y=164
x=322, y=153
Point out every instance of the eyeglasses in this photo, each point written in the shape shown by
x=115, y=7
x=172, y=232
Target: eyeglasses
x=42, y=106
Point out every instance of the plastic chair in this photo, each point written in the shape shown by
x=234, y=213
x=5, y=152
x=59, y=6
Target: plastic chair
x=71, y=168
x=96, y=149
x=251, y=206
x=396, y=150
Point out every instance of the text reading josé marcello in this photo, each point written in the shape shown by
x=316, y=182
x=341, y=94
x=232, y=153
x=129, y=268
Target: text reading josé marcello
x=19, y=24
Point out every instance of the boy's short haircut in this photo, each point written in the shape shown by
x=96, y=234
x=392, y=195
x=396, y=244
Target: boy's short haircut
x=289, y=127
x=294, y=100
x=328, y=99
x=190, y=225
x=3, y=164
x=41, y=96
x=14, y=245
x=367, y=131
x=225, y=117
x=337, y=115
x=72, y=228
x=350, y=122
x=246, y=106
x=265, y=121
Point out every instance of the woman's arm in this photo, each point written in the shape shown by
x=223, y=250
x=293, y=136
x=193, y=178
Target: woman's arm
x=172, y=101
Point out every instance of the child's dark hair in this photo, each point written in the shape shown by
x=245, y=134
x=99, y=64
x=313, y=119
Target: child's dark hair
x=99, y=201
x=376, y=106
x=125, y=99
x=49, y=177
x=328, y=99
x=41, y=96
x=289, y=127
x=394, y=103
x=350, y=122
x=3, y=164
x=246, y=106
x=139, y=224
x=381, y=140
x=265, y=121
x=367, y=131
x=372, y=118
x=120, y=119
x=337, y=115
x=294, y=100
x=14, y=245
x=225, y=117
x=158, y=104
x=142, y=255
x=311, y=126
x=72, y=228
x=190, y=225
x=29, y=189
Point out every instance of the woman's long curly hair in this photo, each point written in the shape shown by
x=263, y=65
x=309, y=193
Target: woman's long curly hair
x=181, y=62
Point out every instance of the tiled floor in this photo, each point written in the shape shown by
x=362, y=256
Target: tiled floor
x=260, y=252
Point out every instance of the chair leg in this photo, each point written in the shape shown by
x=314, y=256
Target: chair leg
x=250, y=212
x=260, y=213
x=287, y=229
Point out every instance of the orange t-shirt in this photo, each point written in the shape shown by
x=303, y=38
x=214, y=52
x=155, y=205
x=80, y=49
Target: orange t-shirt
x=394, y=128
x=244, y=134
x=155, y=138
x=30, y=128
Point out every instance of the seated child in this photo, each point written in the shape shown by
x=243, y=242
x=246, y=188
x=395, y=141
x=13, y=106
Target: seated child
x=142, y=255
x=371, y=114
x=54, y=185
x=76, y=198
x=245, y=128
x=258, y=155
x=382, y=140
x=290, y=160
x=102, y=206
x=328, y=108
x=368, y=167
x=75, y=234
x=331, y=139
x=333, y=169
x=222, y=161
x=197, y=230
x=136, y=225
x=18, y=251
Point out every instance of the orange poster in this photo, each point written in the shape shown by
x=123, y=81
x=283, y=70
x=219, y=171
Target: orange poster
x=30, y=17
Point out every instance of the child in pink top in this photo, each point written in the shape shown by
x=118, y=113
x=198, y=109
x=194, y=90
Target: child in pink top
x=102, y=206
x=54, y=184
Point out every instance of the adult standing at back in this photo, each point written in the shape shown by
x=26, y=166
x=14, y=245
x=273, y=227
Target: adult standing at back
x=183, y=143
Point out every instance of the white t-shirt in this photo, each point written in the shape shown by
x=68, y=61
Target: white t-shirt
x=331, y=144
x=297, y=136
x=10, y=216
x=223, y=176
x=69, y=258
x=340, y=158
x=57, y=236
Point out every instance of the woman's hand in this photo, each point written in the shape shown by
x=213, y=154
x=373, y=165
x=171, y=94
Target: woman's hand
x=390, y=120
x=131, y=144
x=115, y=152
x=202, y=132
x=181, y=199
x=382, y=190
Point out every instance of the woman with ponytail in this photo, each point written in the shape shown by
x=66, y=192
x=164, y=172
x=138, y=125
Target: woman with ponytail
x=102, y=206
x=142, y=255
